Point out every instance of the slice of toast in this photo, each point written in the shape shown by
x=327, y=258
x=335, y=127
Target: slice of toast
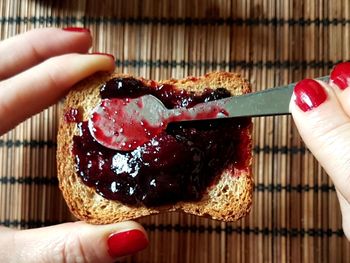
x=228, y=200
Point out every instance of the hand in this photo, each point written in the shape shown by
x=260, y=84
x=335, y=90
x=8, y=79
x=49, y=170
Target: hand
x=321, y=112
x=36, y=70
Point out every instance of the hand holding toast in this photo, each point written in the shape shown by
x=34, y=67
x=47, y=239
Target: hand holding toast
x=37, y=69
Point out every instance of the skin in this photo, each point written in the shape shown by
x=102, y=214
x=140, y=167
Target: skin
x=48, y=69
x=326, y=132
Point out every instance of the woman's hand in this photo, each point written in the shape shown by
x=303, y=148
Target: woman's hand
x=36, y=70
x=321, y=112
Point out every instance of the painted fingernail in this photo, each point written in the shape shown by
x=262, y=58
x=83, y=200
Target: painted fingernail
x=309, y=94
x=77, y=29
x=340, y=75
x=126, y=243
x=103, y=54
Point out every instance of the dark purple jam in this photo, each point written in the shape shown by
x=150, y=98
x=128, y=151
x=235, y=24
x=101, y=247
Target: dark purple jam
x=177, y=165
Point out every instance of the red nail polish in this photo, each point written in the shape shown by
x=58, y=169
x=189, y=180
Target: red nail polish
x=309, y=94
x=340, y=75
x=126, y=243
x=77, y=29
x=103, y=54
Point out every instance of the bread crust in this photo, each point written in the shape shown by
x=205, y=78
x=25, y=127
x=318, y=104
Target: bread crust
x=228, y=200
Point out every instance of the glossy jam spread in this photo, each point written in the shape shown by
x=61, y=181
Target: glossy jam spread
x=73, y=115
x=177, y=165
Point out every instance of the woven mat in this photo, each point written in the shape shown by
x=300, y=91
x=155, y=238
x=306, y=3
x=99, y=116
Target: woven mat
x=295, y=216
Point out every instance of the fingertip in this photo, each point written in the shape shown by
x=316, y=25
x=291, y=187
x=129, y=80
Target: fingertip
x=315, y=108
x=128, y=225
x=110, y=57
x=104, y=54
x=120, y=239
x=340, y=83
x=83, y=36
x=309, y=94
x=77, y=30
x=126, y=242
x=340, y=75
x=307, y=104
x=69, y=39
x=72, y=68
x=101, y=63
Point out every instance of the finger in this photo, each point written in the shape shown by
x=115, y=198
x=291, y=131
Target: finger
x=325, y=128
x=345, y=211
x=26, y=50
x=43, y=85
x=340, y=82
x=73, y=242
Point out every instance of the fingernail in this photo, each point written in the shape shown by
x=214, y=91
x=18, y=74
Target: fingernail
x=340, y=75
x=126, y=243
x=103, y=54
x=77, y=29
x=309, y=94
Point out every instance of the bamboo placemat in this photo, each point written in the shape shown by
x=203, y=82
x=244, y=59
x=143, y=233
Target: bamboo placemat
x=295, y=215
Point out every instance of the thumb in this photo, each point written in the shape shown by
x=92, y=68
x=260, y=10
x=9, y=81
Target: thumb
x=325, y=129
x=72, y=242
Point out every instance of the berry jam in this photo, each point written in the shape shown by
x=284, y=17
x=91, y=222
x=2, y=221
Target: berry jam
x=177, y=165
x=73, y=115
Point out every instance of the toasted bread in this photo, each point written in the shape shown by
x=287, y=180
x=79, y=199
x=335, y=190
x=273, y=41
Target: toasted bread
x=228, y=200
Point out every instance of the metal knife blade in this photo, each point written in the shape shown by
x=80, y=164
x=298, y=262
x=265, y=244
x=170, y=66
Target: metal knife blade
x=273, y=101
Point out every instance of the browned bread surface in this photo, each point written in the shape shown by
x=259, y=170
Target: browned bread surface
x=228, y=200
